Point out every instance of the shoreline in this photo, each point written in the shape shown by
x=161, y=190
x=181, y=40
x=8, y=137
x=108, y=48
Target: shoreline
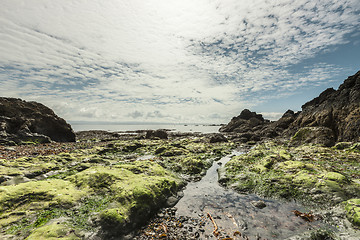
x=171, y=163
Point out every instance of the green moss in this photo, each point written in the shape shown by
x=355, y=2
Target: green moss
x=334, y=176
x=291, y=166
x=53, y=231
x=137, y=189
x=307, y=173
x=342, y=145
x=193, y=165
x=352, y=209
x=46, y=193
x=305, y=178
x=302, y=134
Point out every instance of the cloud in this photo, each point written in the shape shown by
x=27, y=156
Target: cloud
x=192, y=59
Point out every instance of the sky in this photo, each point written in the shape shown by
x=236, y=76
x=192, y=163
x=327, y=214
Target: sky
x=175, y=61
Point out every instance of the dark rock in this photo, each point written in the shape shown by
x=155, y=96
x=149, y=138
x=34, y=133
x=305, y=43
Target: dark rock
x=22, y=121
x=244, y=122
x=218, y=137
x=338, y=110
x=157, y=134
x=258, y=204
x=317, y=135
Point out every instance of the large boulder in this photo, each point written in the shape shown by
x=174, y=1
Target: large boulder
x=22, y=121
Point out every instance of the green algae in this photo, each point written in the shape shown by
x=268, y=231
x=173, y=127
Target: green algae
x=304, y=173
x=106, y=184
x=53, y=231
x=137, y=189
x=46, y=193
x=352, y=209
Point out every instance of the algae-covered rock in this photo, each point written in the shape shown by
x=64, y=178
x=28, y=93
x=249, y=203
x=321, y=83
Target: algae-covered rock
x=317, y=135
x=137, y=190
x=342, y=145
x=21, y=204
x=111, y=188
x=303, y=173
x=352, y=209
x=54, y=192
x=52, y=232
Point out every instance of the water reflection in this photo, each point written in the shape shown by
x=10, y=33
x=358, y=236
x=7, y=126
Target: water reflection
x=235, y=212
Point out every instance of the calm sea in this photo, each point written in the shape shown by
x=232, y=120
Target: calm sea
x=134, y=127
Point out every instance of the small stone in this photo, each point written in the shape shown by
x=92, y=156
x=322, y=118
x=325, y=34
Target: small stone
x=171, y=201
x=258, y=204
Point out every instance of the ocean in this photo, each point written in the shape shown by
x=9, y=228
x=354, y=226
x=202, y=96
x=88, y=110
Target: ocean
x=133, y=127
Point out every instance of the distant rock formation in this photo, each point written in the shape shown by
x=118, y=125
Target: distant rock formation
x=336, y=110
x=22, y=121
x=248, y=125
x=156, y=134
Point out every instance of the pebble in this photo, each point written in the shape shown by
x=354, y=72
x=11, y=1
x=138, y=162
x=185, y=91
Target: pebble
x=258, y=204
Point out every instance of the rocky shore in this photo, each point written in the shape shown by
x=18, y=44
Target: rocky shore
x=97, y=185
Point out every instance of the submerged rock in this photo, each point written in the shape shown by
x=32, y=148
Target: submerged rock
x=258, y=204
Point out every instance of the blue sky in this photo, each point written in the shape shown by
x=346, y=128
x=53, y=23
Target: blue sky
x=175, y=61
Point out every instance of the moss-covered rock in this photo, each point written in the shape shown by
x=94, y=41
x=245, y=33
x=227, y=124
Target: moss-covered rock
x=303, y=173
x=116, y=185
x=316, y=135
x=53, y=231
x=137, y=189
x=352, y=209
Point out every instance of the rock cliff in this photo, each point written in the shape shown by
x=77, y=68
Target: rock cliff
x=338, y=110
x=22, y=121
x=335, y=110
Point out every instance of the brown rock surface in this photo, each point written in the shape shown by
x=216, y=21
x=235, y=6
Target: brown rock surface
x=338, y=110
x=22, y=121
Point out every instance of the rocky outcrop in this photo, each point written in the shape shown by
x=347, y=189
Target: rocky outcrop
x=248, y=126
x=245, y=122
x=156, y=134
x=251, y=126
x=22, y=121
x=217, y=137
x=336, y=112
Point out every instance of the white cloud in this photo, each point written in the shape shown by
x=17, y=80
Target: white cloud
x=164, y=59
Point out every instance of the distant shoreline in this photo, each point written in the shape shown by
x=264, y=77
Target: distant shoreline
x=122, y=127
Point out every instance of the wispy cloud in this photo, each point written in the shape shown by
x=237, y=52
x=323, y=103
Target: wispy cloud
x=170, y=60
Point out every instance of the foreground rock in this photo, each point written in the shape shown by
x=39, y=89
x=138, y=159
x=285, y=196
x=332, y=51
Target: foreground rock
x=99, y=190
x=22, y=121
x=322, y=178
x=311, y=173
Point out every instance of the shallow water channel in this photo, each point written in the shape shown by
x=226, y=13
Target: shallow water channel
x=235, y=213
